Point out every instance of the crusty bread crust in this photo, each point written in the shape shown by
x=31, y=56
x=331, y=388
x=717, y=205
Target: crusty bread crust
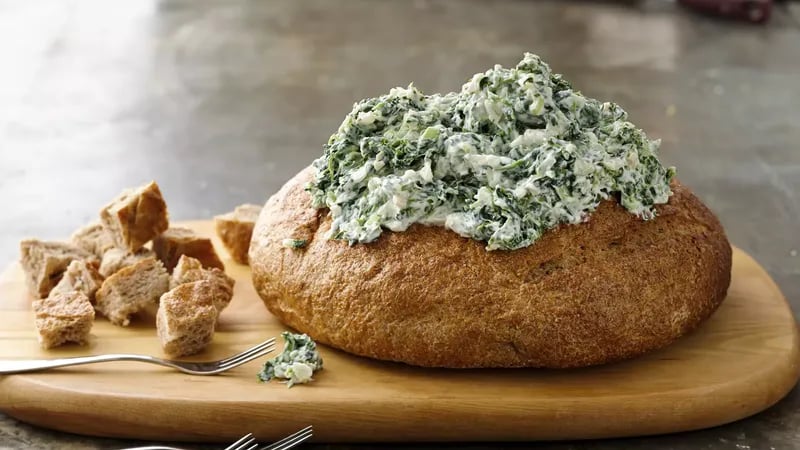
x=609, y=289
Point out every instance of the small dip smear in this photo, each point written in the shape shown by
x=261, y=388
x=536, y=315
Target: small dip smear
x=513, y=154
x=294, y=243
x=298, y=361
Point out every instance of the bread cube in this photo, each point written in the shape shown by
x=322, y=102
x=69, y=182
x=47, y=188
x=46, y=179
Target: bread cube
x=190, y=270
x=63, y=317
x=80, y=276
x=116, y=259
x=93, y=238
x=186, y=318
x=235, y=229
x=135, y=217
x=132, y=290
x=45, y=262
x=178, y=241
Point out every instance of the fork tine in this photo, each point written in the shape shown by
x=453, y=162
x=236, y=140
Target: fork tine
x=249, y=350
x=262, y=351
x=292, y=440
x=295, y=442
x=244, y=440
x=246, y=359
x=247, y=445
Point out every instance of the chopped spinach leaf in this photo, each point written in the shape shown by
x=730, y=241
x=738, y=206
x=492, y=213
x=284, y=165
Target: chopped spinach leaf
x=513, y=154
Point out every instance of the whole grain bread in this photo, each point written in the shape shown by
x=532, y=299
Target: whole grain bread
x=135, y=217
x=177, y=241
x=80, y=276
x=63, y=317
x=93, y=238
x=189, y=270
x=116, y=259
x=45, y=262
x=186, y=318
x=235, y=230
x=132, y=290
x=611, y=288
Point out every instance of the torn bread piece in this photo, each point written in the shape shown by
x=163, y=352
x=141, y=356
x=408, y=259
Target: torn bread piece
x=93, y=238
x=186, y=318
x=190, y=270
x=44, y=263
x=136, y=216
x=132, y=290
x=62, y=318
x=235, y=229
x=178, y=241
x=116, y=259
x=80, y=276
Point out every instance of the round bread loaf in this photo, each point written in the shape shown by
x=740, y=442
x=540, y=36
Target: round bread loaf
x=611, y=288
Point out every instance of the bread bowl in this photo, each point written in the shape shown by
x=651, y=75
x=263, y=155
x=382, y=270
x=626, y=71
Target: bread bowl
x=627, y=274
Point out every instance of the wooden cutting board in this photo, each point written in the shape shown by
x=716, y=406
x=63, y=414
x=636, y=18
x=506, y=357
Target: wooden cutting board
x=744, y=359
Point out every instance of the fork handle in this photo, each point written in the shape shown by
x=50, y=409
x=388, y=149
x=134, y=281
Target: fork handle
x=35, y=365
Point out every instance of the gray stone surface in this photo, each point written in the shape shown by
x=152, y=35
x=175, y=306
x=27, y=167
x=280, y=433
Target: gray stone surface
x=221, y=102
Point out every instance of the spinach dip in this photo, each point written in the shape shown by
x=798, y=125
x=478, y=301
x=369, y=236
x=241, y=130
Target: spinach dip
x=513, y=154
x=296, y=363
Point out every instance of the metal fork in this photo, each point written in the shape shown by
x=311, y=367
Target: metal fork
x=293, y=440
x=192, y=368
x=242, y=444
x=248, y=442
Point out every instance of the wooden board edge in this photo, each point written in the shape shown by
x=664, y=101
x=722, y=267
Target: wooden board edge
x=523, y=422
x=151, y=425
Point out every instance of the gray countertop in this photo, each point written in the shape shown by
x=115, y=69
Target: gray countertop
x=221, y=102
